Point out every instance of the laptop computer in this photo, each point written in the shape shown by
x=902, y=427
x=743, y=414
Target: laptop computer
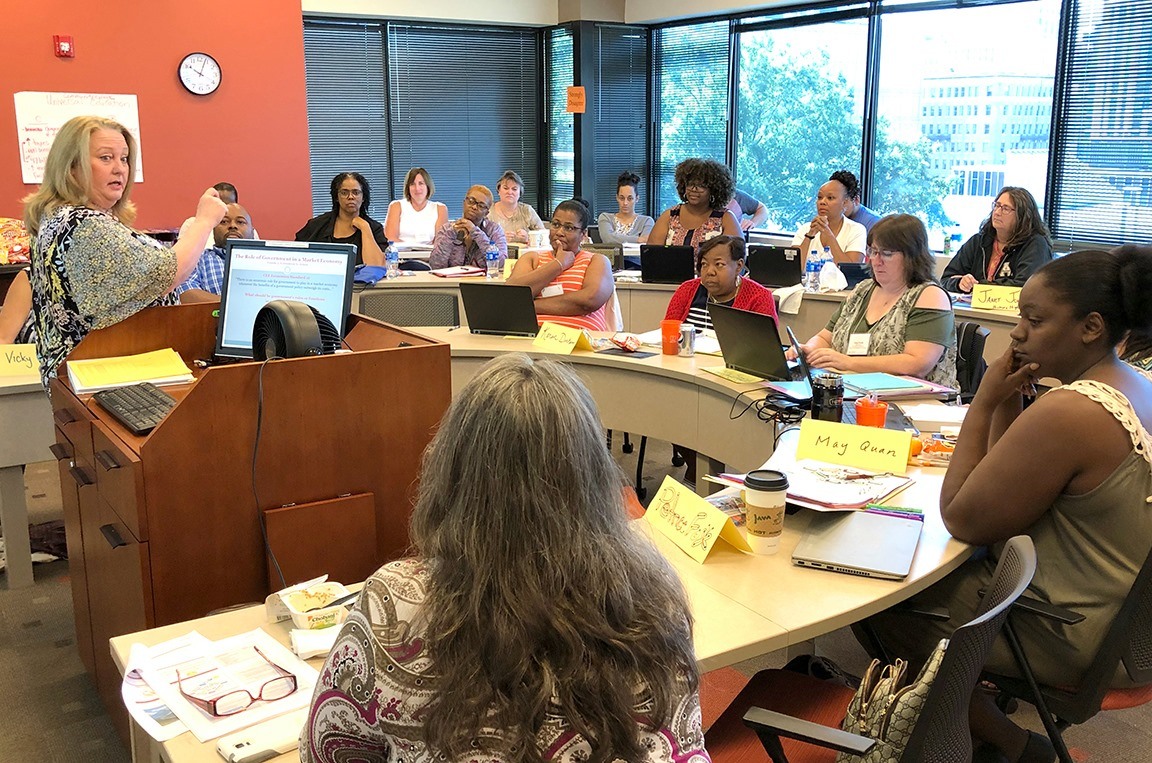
x=750, y=343
x=594, y=234
x=775, y=266
x=854, y=273
x=667, y=264
x=500, y=309
x=860, y=543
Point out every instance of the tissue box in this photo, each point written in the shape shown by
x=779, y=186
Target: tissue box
x=305, y=604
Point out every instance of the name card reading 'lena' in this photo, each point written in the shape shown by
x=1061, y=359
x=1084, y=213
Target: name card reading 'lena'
x=552, y=337
x=880, y=450
x=1002, y=299
x=690, y=522
x=19, y=360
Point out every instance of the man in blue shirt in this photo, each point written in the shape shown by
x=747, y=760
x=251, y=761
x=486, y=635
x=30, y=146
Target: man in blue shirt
x=208, y=277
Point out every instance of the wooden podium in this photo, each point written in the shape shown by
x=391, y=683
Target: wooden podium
x=165, y=527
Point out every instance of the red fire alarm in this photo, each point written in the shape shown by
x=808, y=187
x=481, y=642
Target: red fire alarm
x=63, y=45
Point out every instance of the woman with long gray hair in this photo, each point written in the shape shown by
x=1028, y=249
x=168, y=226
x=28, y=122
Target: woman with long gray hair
x=532, y=623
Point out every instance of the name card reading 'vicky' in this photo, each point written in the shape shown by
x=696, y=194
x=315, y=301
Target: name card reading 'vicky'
x=552, y=337
x=880, y=450
x=19, y=360
x=1002, y=299
x=690, y=522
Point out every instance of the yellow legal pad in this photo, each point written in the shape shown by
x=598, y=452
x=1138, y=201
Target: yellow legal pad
x=159, y=367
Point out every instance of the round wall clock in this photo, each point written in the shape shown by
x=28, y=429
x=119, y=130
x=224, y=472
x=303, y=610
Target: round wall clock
x=199, y=73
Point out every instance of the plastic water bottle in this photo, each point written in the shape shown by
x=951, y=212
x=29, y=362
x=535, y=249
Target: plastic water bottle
x=826, y=257
x=947, y=243
x=957, y=239
x=391, y=262
x=812, y=271
x=492, y=258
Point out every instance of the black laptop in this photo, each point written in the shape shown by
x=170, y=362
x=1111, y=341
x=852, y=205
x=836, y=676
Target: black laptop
x=750, y=342
x=499, y=309
x=667, y=264
x=775, y=266
x=854, y=273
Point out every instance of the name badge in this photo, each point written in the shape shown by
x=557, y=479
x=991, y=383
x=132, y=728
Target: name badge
x=552, y=290
x=858, y=344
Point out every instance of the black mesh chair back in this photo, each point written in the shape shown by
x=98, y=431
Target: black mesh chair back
x=614, y=253
x=941, y=734
x=970, y=364
x=410, y=307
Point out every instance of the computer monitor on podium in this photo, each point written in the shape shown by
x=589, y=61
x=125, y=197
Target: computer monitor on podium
x=257, y=272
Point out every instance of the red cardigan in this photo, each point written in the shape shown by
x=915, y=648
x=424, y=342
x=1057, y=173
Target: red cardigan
x=750, y=296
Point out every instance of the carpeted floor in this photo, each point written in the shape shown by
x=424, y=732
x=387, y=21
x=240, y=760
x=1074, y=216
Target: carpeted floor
x=51, y=712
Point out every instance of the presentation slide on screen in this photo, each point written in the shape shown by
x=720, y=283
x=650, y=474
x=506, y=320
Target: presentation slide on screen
x=256, y=277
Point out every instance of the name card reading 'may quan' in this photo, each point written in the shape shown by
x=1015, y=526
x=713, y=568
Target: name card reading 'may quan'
x=1002, y=299
x=871, y=448
x=19, y=360
x=690, y=522
x=552, y=337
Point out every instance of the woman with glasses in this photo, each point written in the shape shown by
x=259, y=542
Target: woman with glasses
x=465, y=241
x=571, y=286
x=534, y=623
x=705, y=187
x=513, y=216
x=1012, y=243
x=348, y=222
x=626, y=226
x=831, y=227
x=415, y=218
x=900, y=320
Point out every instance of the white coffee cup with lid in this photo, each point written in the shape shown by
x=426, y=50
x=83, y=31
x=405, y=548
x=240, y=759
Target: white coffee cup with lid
x=765, y=491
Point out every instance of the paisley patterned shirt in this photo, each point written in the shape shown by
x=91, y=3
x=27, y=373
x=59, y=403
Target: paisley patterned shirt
x=378, y=679
x=89, y=272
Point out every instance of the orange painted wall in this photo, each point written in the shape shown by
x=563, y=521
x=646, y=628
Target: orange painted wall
x=252, y=132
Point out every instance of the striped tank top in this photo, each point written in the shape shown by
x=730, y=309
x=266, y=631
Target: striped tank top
x=571, y=280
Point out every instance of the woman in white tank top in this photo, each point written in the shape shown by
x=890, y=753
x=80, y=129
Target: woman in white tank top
x=415, y=218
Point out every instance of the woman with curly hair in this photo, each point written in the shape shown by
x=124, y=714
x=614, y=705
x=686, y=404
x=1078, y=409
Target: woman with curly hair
x=831, y=228
x=705, y=187
x=349, y=222
x=533, y=623
x=1011, y=245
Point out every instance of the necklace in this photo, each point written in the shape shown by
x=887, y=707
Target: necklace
x=713, y=301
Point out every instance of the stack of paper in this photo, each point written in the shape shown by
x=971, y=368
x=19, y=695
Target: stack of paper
x=930, y=418
x=159, y=367
x=888, y=386
x=459, y=271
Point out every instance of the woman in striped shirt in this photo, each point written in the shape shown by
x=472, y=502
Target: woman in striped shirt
x=571, y=287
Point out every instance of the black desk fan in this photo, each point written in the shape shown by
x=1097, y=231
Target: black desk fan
x=285, y=328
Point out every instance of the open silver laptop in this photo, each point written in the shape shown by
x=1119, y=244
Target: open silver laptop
x=860, y=543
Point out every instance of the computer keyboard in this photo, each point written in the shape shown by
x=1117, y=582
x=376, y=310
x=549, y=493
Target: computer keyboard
x=139, y=407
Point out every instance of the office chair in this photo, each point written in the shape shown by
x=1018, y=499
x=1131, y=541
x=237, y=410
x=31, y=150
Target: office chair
x=746, y=733
x=1128, y=641
x=614, y=253
x=970, y=364
x=402, y=307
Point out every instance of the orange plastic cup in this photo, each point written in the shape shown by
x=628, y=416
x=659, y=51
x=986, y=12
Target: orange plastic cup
x=670, y=337
x=871, y=413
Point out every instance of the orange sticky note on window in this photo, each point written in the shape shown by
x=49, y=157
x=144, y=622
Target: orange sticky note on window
x=576, y=100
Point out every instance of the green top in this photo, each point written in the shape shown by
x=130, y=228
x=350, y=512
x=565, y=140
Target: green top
x=924, y=324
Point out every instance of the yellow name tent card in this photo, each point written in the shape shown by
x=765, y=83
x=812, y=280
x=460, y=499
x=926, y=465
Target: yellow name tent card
x=871, y=448
x=690, y=522
x=553, y=337
x=19, y=360
x=1003, y=299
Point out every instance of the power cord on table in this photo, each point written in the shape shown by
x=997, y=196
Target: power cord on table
x=774, y=408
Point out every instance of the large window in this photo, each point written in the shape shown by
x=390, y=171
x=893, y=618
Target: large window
x=561, y=139
x=463, y=103
x=383, y=98
x=347, y=130
x=692, y=109
x=965, y=107
x=619, y=110
x=800, y=107
x=1103, y=169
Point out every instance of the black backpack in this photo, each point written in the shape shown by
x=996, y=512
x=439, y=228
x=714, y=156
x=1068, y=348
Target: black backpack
x=970, y=363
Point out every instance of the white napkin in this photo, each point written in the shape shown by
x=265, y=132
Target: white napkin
x=313, y=643
x=831, y=279
x=788, y=298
